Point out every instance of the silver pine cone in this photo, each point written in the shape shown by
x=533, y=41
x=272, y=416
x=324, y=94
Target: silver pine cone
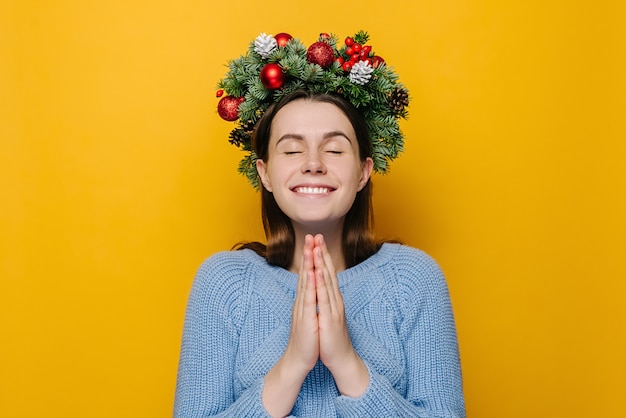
x=361, y=73
x=264, y=45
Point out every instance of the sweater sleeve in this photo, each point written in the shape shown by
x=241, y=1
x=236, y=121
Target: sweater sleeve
x=428, y=335
x=205, y=383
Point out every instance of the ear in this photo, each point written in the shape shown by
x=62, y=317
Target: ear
x=261, y=168
x=366, y=171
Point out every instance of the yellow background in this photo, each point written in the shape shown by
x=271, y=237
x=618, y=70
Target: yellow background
x=117, y=181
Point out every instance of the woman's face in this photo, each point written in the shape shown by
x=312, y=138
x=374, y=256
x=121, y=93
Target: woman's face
x=313, y=170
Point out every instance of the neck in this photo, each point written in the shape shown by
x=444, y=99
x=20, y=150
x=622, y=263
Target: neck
x=333, y=236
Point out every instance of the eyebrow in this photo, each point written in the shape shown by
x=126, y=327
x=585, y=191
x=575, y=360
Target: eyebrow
x=327, y=135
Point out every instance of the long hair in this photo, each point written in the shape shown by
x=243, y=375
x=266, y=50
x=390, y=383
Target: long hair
x=358, y=237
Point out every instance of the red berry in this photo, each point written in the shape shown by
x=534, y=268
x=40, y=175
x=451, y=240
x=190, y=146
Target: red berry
x=349, y=41
x=363, y=55
x=324, y=35
x=357, y=48
x=347, y=66
x=354, y=58
x=219, y=93
x=367, y=49
x=350, y=50
x=339, y=60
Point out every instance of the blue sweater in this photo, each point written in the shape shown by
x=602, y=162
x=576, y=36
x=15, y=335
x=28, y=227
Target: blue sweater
x=400, y=321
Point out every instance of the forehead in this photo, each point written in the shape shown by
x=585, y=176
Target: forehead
x=310, y=117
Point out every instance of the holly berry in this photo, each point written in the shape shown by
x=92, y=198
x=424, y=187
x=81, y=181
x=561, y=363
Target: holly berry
x=219, y=93
x=356, y=47
x=350, y=50
x=354, y=58
x=339, y=60
x=347, y=66
x=367, y=49
x=349, y=41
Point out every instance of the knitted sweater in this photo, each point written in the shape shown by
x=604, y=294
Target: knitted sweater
x=399, y=318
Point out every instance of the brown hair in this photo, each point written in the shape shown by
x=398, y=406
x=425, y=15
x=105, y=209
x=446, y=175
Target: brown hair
x=358, y=238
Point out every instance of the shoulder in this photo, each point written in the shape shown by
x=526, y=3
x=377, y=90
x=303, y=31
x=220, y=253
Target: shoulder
x=226, y=264
x=223, y=279
x=409, y=261
x=415, y=274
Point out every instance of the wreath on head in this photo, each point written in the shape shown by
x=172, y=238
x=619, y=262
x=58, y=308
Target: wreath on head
x=275, y=66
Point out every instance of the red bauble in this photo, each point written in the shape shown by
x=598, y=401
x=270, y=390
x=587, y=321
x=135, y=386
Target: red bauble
x=228, y=107
x=272, y=76
x=282, y=38
x=376, y=61
x=320, y=53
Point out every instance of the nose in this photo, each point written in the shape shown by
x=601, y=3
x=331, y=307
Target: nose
x=313, y=163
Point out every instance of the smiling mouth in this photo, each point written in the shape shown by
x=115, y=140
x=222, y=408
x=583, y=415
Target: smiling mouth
x=312, y=190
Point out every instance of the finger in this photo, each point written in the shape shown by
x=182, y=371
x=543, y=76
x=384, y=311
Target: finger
x=328, y=260
x=323, y=261
x=306, y=266
x=321, y=291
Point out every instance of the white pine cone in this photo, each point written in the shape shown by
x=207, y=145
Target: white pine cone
x=361, y=72
x=264, y=45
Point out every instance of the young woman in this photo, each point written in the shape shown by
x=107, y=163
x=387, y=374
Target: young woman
x=322, y=321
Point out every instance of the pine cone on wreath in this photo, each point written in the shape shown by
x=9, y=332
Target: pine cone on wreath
x=239, y=138
x=398, y=100
x=361, y=73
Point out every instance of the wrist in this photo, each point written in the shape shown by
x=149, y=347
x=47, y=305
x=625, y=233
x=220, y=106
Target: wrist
x=352, y=378
x=281, y=387
x=292, y=366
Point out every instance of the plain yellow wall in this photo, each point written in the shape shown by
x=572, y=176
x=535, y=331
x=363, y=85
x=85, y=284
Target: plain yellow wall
x=117, y=181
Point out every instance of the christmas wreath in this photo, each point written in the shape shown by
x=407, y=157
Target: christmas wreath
x=275, y=66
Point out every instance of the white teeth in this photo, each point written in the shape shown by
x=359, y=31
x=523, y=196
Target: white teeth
x=312, y=190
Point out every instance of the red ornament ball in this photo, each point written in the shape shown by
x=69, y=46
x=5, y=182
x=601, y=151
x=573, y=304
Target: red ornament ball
x=272, y=76
x=377, y=61
x=282, y=38
x=320, y=53
x=228, y=107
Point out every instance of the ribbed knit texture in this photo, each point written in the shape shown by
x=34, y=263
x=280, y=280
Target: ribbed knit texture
x=400, y=321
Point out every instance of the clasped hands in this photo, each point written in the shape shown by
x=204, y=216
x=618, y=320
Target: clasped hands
x=318, y=327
